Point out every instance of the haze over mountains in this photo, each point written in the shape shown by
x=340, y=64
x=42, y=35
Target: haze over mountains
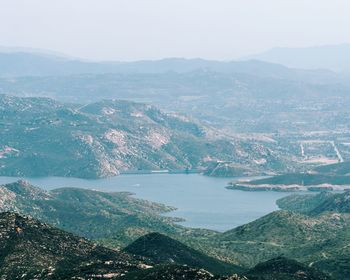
x=164, y=140
x=60, y=116
x=246, y=96
x=280, y=119
x=17, y=61
x=332, y=57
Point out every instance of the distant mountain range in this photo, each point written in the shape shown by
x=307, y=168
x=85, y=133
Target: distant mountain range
x=16, y=62
x=332, y=57
x=244, y=96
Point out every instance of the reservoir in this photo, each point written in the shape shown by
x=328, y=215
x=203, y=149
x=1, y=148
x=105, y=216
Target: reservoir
x=202, y=201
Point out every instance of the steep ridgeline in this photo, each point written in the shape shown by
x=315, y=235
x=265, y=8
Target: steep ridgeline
x=116, y=220
x=33, y=250
x=285, y=269
x=42, y=137
x=159, y=248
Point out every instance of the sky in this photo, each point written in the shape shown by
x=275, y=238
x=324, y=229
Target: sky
x=128, y=30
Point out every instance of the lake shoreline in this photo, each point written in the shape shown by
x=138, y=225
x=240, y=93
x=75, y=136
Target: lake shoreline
x=201, y=201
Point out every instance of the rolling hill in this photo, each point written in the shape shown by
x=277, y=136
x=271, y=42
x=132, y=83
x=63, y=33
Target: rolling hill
x=162, y=249
x=317, y=204
x=33, y=250
x=285, y=269
x=117, y=220
x=43, y=137
x=88, y=213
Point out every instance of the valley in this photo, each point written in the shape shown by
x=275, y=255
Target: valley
x=174, y=140
x=128, y=168
x=316, y=238
x=199, y=201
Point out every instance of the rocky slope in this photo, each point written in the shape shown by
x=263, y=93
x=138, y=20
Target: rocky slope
x=42, y=137
x=33, y=250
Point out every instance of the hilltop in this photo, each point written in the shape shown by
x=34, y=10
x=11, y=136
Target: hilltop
x=162, y=249
x=317, y=204
x=285, y=269
x=309, y=240
x=33, y=250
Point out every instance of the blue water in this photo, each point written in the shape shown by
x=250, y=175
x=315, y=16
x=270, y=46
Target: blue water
x=202, y=201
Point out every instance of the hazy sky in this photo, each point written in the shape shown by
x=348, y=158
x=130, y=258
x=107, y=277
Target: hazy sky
x=150, y=29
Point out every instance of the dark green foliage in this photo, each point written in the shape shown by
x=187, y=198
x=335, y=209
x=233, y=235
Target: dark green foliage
x=317, y=204
x=339, y=203
x=342, y=168
x=285, y=269
x=32, y=250
x=302, y=203
x=89, y=213
x=303, y=180
x=117, y=219
x=175, y=272
x=161, y=249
